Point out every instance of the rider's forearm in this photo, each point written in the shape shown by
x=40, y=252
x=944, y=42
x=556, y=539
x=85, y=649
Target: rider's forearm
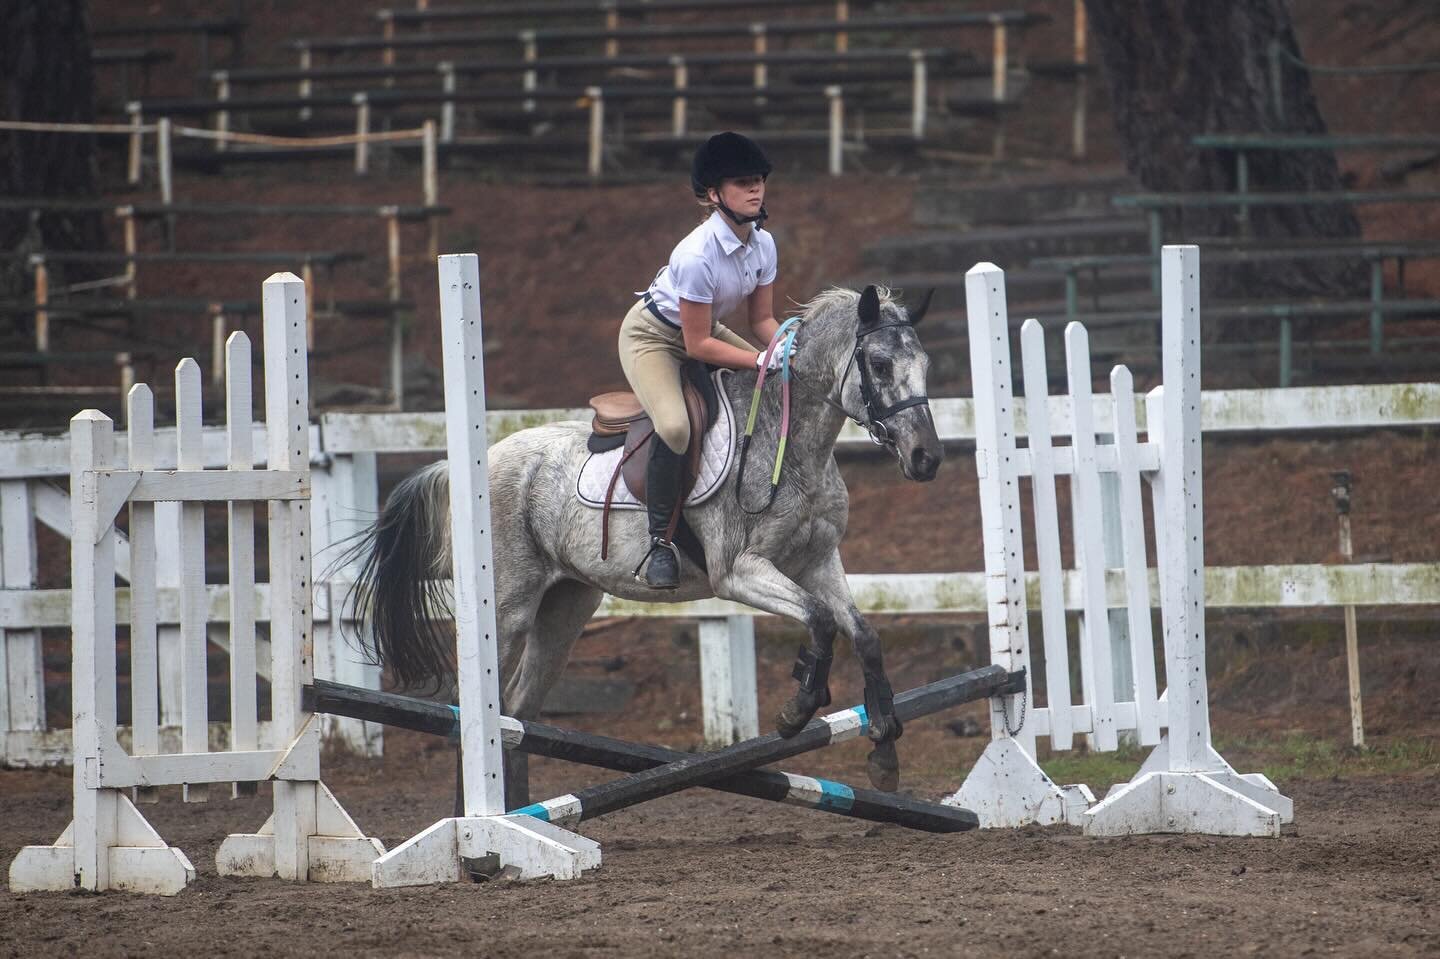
x=765, y=329
x=717, y=352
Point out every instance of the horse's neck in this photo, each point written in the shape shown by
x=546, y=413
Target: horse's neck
x=815, y=424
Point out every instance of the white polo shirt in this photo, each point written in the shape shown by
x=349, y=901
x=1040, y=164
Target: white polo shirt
x=712, y=266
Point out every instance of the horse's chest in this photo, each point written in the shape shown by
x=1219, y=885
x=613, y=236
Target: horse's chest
x=818, y=534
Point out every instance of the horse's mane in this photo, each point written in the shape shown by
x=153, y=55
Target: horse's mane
x=830, y=317
x=826, y=302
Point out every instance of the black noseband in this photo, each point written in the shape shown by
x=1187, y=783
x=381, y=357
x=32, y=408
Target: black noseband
x=874, y=413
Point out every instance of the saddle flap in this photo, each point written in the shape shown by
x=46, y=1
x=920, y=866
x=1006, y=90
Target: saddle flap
x=641, y=431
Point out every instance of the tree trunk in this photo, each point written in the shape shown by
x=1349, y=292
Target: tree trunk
x=46, y=75
x=1178, y=68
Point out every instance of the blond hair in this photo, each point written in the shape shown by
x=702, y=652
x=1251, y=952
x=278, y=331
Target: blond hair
x=708, y=205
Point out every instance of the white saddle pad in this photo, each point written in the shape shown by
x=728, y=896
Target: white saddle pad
x=715, y=459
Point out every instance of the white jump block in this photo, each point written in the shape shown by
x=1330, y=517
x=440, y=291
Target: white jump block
x=1167, y=802
x=337, y=851
x=1215, y=800
x=1007, y=788
x=108, y=844
x=537, y=848
x=137, y=861
x=1184, y=785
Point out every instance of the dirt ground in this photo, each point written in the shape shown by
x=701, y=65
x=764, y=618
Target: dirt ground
x=714, y=874
x=707, y=873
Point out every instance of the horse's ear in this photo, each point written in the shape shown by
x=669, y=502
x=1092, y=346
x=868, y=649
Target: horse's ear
x=869, y=307
x=918, y=313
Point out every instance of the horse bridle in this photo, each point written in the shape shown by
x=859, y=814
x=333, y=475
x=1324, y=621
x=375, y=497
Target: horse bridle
x=876, y=414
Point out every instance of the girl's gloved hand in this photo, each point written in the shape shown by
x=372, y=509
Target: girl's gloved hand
x=776, y=358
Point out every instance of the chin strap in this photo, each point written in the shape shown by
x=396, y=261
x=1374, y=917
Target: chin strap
x=758, y=219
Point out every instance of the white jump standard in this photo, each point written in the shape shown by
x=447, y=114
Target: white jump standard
x=1184, y=785
x=109, y=845
x=439, y=853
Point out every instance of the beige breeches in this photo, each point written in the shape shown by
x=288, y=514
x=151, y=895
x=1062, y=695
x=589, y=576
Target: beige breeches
x=651, y=354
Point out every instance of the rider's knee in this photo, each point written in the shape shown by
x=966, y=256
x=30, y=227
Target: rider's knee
x=673, y=429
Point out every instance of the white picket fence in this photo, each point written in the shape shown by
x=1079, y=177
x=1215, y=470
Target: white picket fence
x=109, y=844
x=345, y=497
x=344, y=500
x=1185, y=786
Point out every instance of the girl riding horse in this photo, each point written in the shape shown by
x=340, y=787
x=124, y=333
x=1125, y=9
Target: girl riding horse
x=726, y=263
x=861, y=360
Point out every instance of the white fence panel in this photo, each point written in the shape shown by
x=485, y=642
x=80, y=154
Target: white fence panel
x=194, y=645
x=144, y=662
x=240, y=527
x=1047, y=536
x=1097, y=675
x=22, y=666
x=1131, y=509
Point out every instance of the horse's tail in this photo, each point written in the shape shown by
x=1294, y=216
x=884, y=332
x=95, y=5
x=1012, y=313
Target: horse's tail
x=404, y=564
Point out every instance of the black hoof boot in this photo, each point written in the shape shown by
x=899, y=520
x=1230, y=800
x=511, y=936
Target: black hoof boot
x=812, y=672
x=797, y=712
x=663, y=569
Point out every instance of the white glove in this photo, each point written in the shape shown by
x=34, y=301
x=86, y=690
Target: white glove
x=776, y=358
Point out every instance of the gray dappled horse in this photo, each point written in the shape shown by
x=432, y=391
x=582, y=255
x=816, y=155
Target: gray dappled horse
x=857, y=358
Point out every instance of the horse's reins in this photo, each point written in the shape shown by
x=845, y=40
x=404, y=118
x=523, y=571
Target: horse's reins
x=874, y=413
x=789, y=338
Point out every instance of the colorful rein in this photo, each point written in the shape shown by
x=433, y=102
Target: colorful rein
x=787, y=333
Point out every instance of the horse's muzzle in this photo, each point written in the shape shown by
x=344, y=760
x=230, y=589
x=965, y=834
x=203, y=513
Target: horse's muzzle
x=924, y=464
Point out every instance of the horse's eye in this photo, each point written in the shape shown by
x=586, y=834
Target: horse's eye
x=881, y=367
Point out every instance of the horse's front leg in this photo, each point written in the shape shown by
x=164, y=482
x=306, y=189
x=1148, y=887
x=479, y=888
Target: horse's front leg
x=754, y=581
x=827, y=581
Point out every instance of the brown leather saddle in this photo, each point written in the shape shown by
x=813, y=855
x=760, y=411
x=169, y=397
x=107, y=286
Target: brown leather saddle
x=620, y=420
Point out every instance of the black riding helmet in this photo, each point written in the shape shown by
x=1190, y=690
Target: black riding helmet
x=728, y=155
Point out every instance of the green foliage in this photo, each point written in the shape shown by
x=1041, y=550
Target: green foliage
x=1097, y=770
x=1296, y=756
x=1301, y=756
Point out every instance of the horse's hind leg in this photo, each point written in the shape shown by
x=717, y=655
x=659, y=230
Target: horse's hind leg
x=563, y=612
x=754, y=580
x=827, y=580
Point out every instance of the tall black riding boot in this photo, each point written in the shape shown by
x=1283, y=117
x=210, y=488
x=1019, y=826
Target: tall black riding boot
x=662, y=493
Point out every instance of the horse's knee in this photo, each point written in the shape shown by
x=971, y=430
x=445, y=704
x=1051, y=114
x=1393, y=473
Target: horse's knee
x=866, y=639
x=821, y=622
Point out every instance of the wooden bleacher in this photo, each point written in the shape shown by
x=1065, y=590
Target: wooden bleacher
x=126, y=59
x=231, y=29
x=45, y=307
x=667, y=32
x=582, y=81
